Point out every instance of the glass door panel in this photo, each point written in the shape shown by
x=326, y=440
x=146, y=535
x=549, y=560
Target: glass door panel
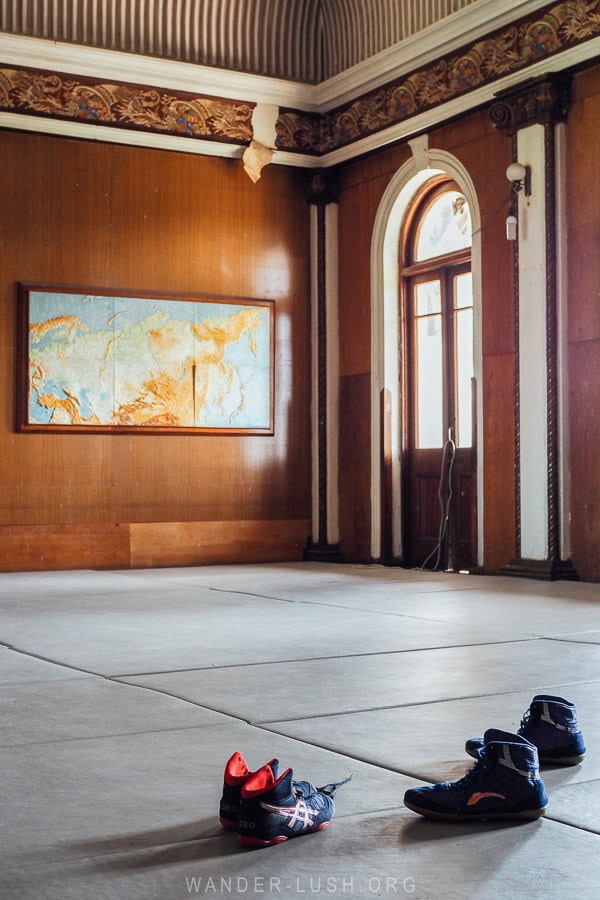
x=463, y=349
x=429, y=387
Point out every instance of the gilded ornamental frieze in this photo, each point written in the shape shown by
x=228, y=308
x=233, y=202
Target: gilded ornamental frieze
x=124, y=106
x=551, y=30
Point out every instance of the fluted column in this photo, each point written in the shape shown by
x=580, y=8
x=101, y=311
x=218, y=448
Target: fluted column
x=534, y=115
x=323, y=195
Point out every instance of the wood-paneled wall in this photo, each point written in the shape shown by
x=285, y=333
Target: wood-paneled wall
x=583, y=361
x=485, y=153
x=86, y=213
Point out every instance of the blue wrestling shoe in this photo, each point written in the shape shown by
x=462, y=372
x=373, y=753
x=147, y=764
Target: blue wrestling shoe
x=504, y=783
x=274, y=809
x=551, y=725
x=235, y=777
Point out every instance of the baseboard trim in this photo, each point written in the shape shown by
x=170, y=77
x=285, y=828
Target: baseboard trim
x=330, y=553
x=138, y=545
x=542, y=569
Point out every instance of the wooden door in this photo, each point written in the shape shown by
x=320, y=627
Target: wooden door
x=439, y=457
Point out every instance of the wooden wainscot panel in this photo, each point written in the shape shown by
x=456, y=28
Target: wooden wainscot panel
x=31, y=548
x=77, y=211
x=584, y=429
x=205, y=543
x=355, y=467
x=499, y=461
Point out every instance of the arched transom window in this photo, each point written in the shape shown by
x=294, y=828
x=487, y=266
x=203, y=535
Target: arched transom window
x=436, y=272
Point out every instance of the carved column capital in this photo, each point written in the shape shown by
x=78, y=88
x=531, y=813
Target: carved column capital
x=544, y=101
x=323, y=187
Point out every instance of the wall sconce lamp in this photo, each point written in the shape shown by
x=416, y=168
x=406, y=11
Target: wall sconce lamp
x=520, y=176
x=511, y=227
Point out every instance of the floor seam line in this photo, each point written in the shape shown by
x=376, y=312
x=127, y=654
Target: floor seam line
x=382, y=612
x=352, y=712
x=102, y=737
x=574, y=825
x=49, y=660
x=566, y=640
x=303, y=659
x=337, y=752
x=156, y=690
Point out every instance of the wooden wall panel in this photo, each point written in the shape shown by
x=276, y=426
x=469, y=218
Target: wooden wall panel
x=206, y=543
x=584, y=370
x=154, y=544
x=355, y=468
x=92, y=214
x=31, y=548
x=362, y=184
x=499, y=461
x=583, y=221
x=86, y=213
x=583, y=327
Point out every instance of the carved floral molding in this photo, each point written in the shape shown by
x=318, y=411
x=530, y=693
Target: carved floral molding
x=124, y=106
x=555, y=28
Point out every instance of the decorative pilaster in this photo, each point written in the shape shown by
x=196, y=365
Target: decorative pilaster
x=530, y=115
x=323, y=195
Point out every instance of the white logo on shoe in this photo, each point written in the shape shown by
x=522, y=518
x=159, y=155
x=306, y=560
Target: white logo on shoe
x=298, y=814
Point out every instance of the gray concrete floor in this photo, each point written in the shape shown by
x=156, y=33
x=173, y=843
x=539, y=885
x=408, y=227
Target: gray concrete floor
x=124, y=693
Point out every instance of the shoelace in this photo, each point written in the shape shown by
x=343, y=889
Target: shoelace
x=332, y=788
x=524, y=722
x=306, y=788
x=482, y=764
x=529, y=718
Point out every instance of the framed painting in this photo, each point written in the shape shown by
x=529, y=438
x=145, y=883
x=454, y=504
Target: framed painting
x=95, y=360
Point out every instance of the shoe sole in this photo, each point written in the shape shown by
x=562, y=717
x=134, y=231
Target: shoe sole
x=228, y=824
x=550, y=760
x=562, y=760
x=527, y=814
x=252, y=843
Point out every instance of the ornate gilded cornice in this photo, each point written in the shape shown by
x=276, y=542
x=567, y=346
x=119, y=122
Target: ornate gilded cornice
x=124, y=106
x=558, y=27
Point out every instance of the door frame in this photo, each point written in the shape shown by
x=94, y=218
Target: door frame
x=386, y=341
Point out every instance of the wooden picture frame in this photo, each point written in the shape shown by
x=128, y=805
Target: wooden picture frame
x=97, y=360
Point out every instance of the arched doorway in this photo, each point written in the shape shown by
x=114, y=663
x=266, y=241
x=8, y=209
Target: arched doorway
x=388, y=500
x=438, y=446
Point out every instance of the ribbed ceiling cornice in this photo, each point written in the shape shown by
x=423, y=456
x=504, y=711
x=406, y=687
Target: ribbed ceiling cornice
x=301, y=40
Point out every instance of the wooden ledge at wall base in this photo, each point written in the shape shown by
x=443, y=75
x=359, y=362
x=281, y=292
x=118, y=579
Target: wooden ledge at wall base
x=133, y=545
